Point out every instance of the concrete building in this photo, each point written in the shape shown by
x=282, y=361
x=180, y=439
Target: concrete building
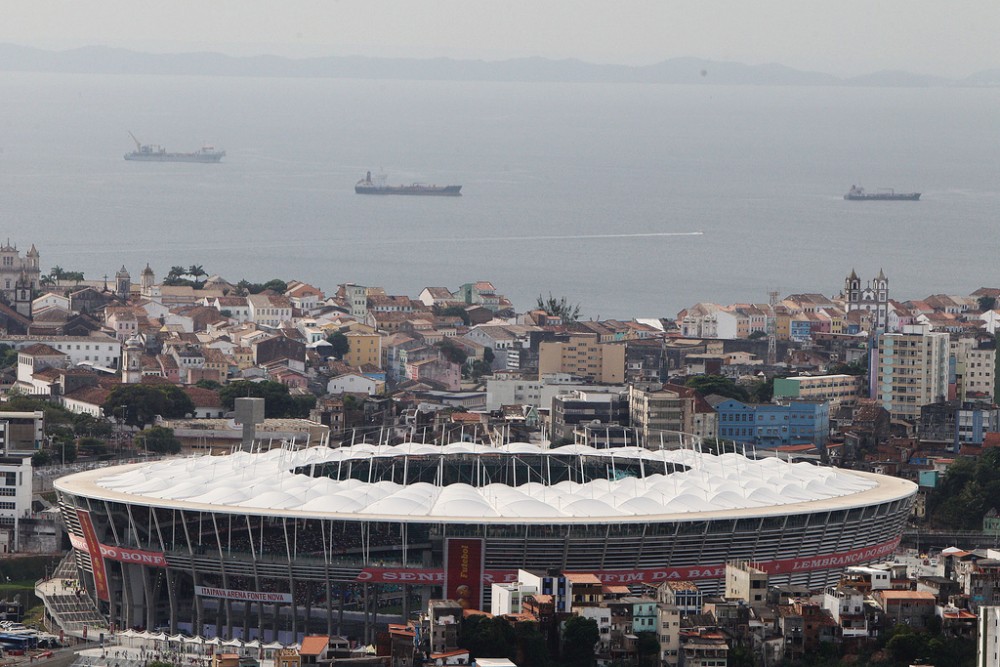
x=913, y=608
x=988, y=642
x=15, y=499
x=583, y=357
x=21, y=432
x=505, y=389
x=684, y=595
x=836, y=389
x=365, y=349
x=657, y=410
x=974, y=359
x=571, y=411
x=745, y=582
x=769, y=425
x=910, y=370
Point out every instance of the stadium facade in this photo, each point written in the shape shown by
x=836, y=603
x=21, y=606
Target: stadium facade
x=276, y=544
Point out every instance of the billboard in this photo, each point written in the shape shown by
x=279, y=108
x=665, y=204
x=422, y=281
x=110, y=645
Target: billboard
x=96, y=559
x=463, y=571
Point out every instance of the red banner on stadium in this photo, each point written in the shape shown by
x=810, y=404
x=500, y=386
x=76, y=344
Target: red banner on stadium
x=78, y=543
x=96, y=560
x=650, y=575
x=122, y=555
x=463, y=571
x=154, y=558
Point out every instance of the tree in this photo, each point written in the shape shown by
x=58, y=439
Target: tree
x=8, y=356
x=486, y=636
x=196, y=271
x=93, y=446
x=649, y=648
x=857, y=367
x=757, y=335
x=139, y=404
x=762, y=391
x=580, y=636
x=339, y=343
x=717, y=384
x=277, y=401
x=532, y=650
x=275, y=285
x=986, y=303
x=454, y=311
x=159, y=440
x=452, y=352
x=560, y=308
x=88, y=425
x=208, y=384
x=905, y=645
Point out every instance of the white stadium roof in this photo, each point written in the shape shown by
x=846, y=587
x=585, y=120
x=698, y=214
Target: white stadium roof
x=706, y=486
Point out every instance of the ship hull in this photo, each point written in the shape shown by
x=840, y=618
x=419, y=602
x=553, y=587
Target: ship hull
x=412, y=190
x=908, y=196
x=175, y=157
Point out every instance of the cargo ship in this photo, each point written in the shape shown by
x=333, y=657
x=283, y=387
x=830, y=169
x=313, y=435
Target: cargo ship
x=378, y=186
x=859, y=194
x=153, y=153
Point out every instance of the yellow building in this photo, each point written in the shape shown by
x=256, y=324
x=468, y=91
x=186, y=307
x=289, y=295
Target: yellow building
x=583, y=357
x=365, y=348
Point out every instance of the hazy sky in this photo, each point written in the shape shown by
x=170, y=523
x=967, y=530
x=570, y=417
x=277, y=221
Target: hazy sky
x=845, y=37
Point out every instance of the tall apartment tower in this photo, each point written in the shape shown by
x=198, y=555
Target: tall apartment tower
x=988, y=642
x=873, y=297
x=910, y=369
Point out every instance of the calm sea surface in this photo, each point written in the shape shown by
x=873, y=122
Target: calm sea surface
x=633, y=200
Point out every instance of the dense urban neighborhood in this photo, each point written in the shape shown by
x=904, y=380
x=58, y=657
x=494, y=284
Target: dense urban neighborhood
x=123, y=369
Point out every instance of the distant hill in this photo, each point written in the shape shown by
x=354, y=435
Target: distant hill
x=106, y=60
x=899, y=79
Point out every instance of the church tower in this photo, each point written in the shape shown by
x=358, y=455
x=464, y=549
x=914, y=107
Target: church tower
x=146, y=281
x=872, y=298
x=123, y=283
x=23, y=295
x=132, y=361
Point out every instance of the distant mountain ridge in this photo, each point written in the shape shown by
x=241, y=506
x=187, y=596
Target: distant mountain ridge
x=107, y=60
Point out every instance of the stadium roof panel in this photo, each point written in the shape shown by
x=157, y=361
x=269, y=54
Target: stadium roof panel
x=364, y=483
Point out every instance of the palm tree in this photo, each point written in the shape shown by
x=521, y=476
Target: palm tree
x=196, y=271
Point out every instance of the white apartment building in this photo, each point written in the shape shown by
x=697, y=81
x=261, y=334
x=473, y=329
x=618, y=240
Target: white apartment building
x=538, y=393
x=911, y=370
x=975, y=359
x=988, y=643
x=97, y=349
x=15, y=498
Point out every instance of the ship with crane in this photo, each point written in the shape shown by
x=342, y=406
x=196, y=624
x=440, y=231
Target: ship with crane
x=153, y=153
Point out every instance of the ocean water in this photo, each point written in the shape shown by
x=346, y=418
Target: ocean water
x=632, y=200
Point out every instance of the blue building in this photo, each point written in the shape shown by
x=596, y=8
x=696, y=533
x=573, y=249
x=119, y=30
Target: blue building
x=769, y=425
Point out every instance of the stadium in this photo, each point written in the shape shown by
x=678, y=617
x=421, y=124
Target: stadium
x=276, y=544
